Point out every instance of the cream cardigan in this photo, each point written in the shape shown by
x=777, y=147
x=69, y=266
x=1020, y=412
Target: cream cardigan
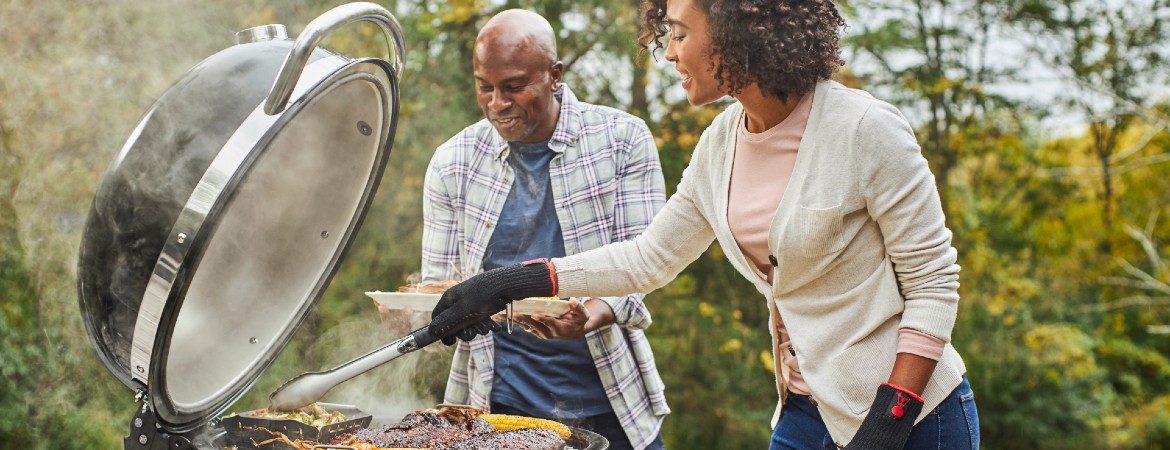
x=860, y=244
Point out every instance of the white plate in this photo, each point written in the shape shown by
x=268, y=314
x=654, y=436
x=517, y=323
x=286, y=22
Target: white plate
x=405, y=300
x=426, y=302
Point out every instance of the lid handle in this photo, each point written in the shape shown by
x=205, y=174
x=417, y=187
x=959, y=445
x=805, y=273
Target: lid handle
x=316, y=30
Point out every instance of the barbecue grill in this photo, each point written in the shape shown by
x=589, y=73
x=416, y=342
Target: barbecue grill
x=236, y=197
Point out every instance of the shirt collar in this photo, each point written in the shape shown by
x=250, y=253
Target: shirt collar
x=564, y=135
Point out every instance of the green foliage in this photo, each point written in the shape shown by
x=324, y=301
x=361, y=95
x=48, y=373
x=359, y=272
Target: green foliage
x=1064, y=281
x=1041, y=391
x=20, y=353
x=717, y=370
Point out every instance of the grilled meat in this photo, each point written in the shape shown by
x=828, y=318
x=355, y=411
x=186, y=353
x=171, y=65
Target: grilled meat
x=521, y=439
x=452, y=429
x=423, y=430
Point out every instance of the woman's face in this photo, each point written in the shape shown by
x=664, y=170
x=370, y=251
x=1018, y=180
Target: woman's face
x=689, y=50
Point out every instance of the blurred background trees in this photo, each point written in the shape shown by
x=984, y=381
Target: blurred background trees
x=1045, y=122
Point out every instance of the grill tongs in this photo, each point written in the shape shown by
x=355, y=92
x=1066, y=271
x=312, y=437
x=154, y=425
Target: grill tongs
x=309, y=387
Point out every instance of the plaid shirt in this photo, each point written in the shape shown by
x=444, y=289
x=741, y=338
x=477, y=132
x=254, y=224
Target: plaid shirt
x=607, y=184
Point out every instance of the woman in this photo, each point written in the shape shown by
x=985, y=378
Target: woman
x=820, y=196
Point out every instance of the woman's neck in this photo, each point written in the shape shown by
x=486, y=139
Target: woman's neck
x=764, y=112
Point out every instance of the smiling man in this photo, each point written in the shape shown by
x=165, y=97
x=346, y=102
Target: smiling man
x=545, y=174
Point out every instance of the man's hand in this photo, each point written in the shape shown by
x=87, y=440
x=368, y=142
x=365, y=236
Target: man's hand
x=890, y=420
x=468, y=306
x=581, y=318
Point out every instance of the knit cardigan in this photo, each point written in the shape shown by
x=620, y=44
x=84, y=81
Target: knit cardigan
x=859, y=244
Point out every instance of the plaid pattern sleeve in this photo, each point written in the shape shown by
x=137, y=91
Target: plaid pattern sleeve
x=607, y=185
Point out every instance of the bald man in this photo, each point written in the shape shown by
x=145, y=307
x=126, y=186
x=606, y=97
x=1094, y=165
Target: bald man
x=546, y=175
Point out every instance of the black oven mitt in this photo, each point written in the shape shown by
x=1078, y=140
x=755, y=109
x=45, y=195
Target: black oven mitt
x=475, y=300
x=890, y=420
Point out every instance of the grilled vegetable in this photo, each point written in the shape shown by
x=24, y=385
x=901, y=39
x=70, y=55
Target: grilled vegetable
x=313, y=415
x=505, y=422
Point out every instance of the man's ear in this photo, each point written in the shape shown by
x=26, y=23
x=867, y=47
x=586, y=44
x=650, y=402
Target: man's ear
x=557, y=73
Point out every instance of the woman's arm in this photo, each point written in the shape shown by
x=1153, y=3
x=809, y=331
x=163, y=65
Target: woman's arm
x=902, y=198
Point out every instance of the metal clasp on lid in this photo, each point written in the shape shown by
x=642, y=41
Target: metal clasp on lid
x=262, y=33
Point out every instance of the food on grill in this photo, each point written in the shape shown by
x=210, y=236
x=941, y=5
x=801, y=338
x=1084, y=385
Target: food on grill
x=312, y=414
x=520, y=439
x=505, y=422
x=436, y=287
x=420, y=430
x=459, y=428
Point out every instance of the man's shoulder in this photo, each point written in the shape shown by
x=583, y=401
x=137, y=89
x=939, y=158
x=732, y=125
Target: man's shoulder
x=474, y=138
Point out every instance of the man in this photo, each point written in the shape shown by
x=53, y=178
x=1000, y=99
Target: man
x=545, y=174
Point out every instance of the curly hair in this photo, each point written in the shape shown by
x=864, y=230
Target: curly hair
x=786, y=46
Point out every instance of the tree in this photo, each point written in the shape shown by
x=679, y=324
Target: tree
x=1112, y=53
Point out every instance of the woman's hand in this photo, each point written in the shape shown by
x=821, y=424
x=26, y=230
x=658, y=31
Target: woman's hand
x=465, y=309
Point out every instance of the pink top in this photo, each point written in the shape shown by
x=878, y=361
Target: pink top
x=760, y=174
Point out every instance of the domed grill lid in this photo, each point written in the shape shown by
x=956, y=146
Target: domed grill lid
x=220, y=223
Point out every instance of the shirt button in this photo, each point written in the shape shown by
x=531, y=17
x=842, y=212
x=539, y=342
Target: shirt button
x=489, y=224
x=772, y=259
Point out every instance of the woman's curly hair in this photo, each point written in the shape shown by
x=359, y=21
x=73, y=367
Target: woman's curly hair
x=786, y=46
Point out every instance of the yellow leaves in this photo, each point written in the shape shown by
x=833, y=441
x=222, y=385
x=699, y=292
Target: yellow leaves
x=731, y=345
x=767, y=361
x=996, y=306
x=1119, y=327
x=687, y=140
x=706, y=310
x=682, y=285
x=461, y=11
x=1065, y=350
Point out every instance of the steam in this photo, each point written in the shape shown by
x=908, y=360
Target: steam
x=387, y=392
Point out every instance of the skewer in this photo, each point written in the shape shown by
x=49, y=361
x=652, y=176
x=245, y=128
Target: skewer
x=508, y=311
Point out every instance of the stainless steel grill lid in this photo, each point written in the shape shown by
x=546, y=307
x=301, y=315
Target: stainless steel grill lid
x=218, y=226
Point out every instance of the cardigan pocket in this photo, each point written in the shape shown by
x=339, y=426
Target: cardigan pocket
x=859, y=370
x=819, y=230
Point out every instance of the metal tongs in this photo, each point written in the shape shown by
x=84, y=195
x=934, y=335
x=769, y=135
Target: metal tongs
x=309, y=387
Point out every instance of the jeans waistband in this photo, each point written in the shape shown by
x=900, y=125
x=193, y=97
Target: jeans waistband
x=809, y=398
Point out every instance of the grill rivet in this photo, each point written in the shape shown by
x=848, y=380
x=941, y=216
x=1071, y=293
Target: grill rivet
x=137, y=422
x=142, y=439
x=253, y=340
x=324, y=234
x=364, y=128
x=182, y=237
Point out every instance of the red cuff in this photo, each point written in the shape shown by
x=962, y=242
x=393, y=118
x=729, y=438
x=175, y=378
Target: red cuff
x=907, y=391
x=552, y=274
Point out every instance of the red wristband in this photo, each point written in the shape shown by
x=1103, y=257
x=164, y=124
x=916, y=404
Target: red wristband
x=907, y=391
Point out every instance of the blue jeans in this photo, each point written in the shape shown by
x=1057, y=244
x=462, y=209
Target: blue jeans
x=953, y=425
x=605, y=424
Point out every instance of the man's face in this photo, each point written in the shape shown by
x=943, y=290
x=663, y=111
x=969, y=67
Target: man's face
x=515, y=87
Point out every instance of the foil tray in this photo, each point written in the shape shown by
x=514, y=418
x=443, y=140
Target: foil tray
x=245, y=430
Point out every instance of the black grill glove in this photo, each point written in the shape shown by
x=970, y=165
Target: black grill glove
x=890, y=420
x=470, y=305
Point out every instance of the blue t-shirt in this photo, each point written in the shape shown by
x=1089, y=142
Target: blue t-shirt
x=542, y=377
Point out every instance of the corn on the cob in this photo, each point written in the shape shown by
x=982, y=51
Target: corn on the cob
x=505, y=422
